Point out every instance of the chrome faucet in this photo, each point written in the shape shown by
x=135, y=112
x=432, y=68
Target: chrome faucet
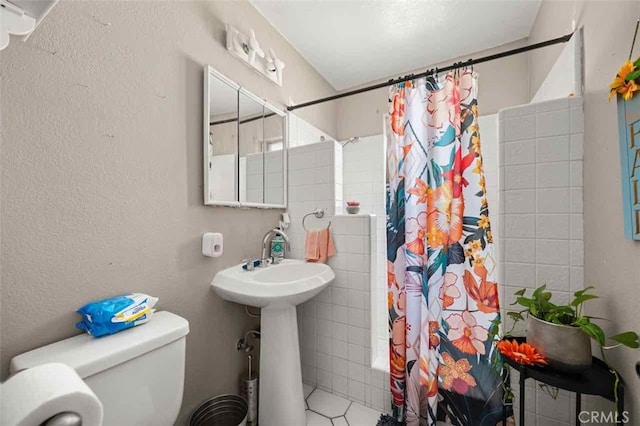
x=266, y=241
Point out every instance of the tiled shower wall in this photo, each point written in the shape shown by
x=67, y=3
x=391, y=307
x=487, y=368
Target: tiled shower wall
x=335, y=326
x=315, y=182
x=540, y=224
x=364, y=181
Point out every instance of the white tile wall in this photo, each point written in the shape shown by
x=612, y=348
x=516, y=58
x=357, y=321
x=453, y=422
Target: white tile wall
x=314, y=183
x=264, y=182
x=364, y=181
x=541, y=232
x=335, y=334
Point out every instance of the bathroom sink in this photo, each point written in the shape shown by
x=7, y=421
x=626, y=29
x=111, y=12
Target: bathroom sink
x=277, y=289
x=288, y=283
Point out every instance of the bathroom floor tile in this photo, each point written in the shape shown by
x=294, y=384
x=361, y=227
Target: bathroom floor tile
x=315, y=419
x=340, y=421
x=307, y=389
x=359, y=415
x=327, y=404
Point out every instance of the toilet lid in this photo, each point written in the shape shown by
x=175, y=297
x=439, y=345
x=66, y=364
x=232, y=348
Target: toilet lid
x=89, y=355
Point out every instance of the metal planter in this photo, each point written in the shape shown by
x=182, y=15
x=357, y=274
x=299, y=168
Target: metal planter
x=566, y=348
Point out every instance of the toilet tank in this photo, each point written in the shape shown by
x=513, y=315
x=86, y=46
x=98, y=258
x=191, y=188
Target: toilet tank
x=138, y=374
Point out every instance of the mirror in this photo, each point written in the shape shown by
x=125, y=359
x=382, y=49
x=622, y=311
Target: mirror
x=221, y=141
x=250, y=142
x=245, y=147
x=274, y=159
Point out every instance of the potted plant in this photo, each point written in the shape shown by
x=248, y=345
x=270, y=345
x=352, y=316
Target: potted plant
x=562, y=333
x=353, y=207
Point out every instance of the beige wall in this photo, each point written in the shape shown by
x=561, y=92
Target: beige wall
x=502, y=83
x=612, y=263
x=102, y=172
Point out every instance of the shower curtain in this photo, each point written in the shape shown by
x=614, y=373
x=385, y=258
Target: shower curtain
x=441, y=272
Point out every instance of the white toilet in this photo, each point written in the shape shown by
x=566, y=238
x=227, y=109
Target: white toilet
x=137, y=374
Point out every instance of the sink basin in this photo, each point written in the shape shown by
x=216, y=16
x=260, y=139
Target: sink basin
x=288, y=283
x=277, y=289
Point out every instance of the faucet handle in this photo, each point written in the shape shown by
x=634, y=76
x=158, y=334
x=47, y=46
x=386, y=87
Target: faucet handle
x=265, y=262
x=248, y=264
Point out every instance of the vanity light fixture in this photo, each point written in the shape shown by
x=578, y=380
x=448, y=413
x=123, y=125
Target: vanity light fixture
x=247, y=49
x=275, y=65
x=21, y=18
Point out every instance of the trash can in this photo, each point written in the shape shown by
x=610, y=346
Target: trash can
x=223, y=410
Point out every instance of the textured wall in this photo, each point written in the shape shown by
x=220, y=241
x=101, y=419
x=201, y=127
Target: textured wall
x=611, y=261
x=102, y=172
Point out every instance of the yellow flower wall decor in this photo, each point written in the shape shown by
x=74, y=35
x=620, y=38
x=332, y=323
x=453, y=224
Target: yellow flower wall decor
x=626, y=81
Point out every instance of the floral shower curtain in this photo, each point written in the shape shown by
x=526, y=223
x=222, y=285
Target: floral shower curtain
x=441, y=272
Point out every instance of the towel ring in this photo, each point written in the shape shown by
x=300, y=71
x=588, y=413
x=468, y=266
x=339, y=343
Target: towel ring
x=319, y=213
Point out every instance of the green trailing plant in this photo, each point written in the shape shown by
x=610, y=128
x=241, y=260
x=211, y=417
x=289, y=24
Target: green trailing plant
x=540, y=306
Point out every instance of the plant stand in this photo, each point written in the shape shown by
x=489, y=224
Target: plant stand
x=596, y=380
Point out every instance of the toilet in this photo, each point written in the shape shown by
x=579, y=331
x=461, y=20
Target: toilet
x=137, y=374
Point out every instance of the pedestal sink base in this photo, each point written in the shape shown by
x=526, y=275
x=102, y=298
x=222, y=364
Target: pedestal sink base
x=281, y=395
x=277, y=289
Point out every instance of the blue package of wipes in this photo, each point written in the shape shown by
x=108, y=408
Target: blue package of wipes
x=117, y=313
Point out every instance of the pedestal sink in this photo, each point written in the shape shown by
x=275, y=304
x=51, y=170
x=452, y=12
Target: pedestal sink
x=277, y=289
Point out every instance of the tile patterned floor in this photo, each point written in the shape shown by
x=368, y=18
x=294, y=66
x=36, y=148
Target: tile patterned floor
x=326, y=409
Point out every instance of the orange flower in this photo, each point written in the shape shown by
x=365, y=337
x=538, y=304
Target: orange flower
x=391, y=276
x=397, y=113
x=475, y=245
x=620, y=85
x=435, y=238
x=417, y=246
x=397, y=372
x=522, y=353
x=478, y=167
x=483, y=222
x=475, y=143
x=486, y=294
x=626, y=68
x=628, y=89
x=389, y=300
x=455, y=374
x=421, y=190
x=466, y=334
x=483, y=184
x=478, y=261
x=429, y=381
x=444, y=213
x=434, y=340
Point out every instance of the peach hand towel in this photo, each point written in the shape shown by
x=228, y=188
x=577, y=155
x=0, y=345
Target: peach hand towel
x=325, y=247
x=311, y=246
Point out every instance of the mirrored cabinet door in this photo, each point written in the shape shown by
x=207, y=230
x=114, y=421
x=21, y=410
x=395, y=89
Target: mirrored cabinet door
x=250, y=147
x=222, y=142
x=245, y=147
x=274, y=158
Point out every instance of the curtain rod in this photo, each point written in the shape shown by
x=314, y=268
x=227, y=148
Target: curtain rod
x=246, y=120
x=470, y=62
